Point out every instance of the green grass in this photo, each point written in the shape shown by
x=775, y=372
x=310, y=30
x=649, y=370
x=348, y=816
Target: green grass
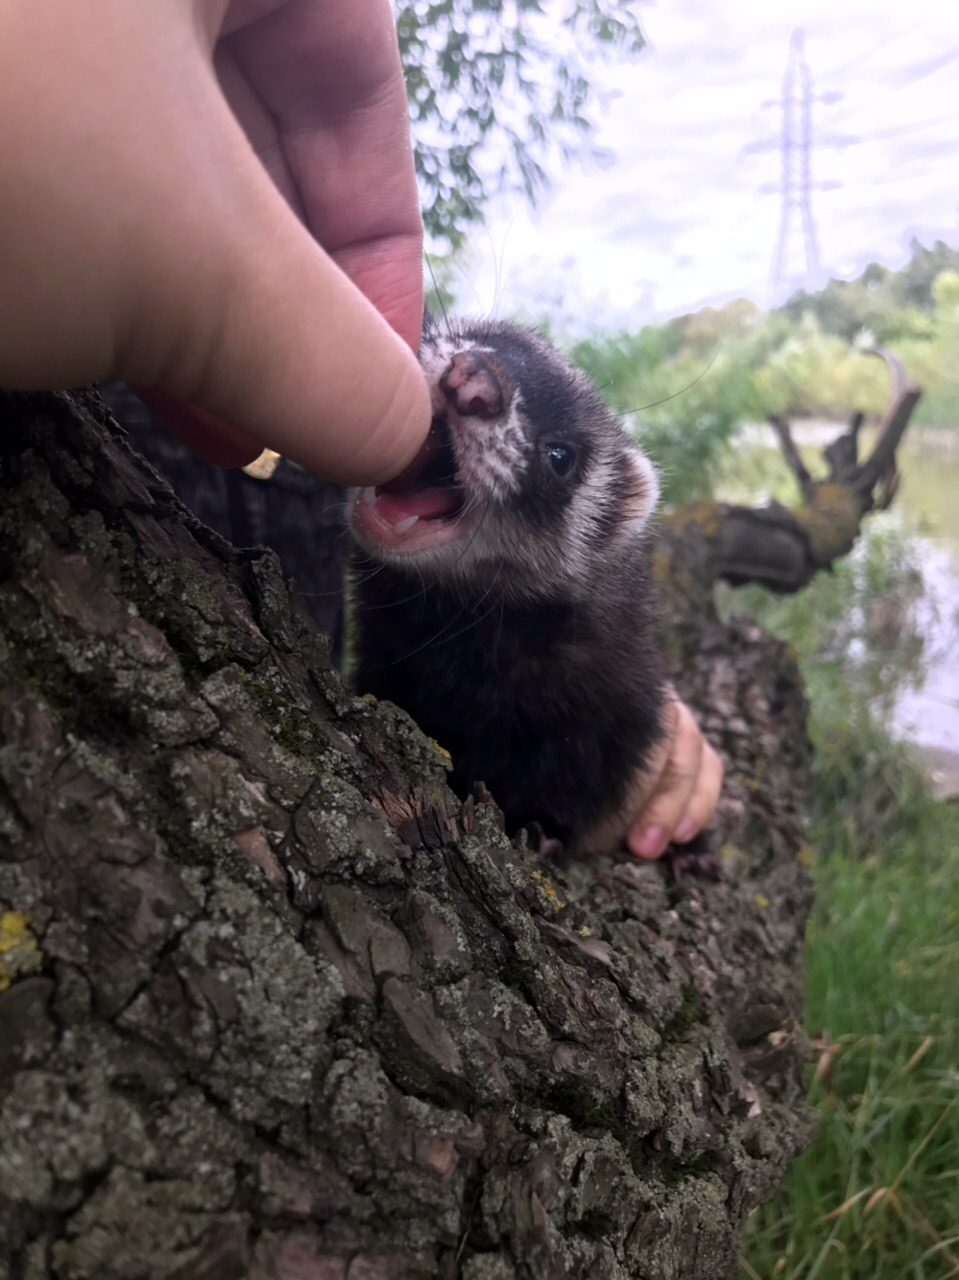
x=877, y=1195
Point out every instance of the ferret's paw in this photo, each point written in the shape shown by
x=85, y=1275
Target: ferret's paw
x=694, y=859
x=546, y=846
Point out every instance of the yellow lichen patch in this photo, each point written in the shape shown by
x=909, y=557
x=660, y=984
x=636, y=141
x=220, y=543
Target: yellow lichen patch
x=19, y=953
x=14, y=930
x=730, y=851
x=585, y=932
x=805, y=855
x=552, y=897
x=371, y=698
x=707, y=516
x=440, y=750
x=661, y=565
x=831, y=520
x=762, y=901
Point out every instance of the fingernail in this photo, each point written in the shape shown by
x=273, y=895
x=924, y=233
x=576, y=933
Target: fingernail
x=651, y=842
x=686, y=829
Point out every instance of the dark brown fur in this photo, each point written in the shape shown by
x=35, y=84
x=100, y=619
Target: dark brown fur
x=529, y=654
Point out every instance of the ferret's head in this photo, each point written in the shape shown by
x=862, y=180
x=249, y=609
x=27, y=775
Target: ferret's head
x=526, y=482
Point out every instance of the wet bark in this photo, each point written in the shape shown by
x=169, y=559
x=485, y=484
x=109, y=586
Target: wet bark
x=275, y=1004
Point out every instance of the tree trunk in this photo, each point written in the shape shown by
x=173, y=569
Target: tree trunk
x=249, y=513
x=277, y=1005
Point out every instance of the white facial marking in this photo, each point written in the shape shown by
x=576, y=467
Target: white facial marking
x=646, y=489
x=490, y=543
x=435, y=359
x=491, y=453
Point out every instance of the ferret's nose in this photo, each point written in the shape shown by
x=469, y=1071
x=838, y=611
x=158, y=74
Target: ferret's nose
x=472, y=387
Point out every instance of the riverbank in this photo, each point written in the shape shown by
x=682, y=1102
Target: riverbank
x=878, y=641
x=819, y=431
x=925, y=711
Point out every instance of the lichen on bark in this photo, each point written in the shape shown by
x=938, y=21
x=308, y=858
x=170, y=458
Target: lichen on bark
x=293, y=1010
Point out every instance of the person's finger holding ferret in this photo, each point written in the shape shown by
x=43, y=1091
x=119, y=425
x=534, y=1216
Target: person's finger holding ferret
x=702, y=803
x=142, y=237
x=686, y=791
x=325, y=108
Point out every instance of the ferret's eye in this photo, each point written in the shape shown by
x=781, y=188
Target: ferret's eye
x=561, y=458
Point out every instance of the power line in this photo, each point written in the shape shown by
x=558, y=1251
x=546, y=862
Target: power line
x=913, y=74
x=895, y=131
x=922, y=70
x=796, y=184
x=871, y=52
x=796, y=258
x=842, y=140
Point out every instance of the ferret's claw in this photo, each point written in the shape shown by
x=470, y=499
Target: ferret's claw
x=695, y=858
x=546, y=846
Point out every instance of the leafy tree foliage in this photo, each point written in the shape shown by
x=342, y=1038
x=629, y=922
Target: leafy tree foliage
x=686, y=387
x=500, y=93
x=918, y=278
x=684, y=403
x=819, y=374
x=702, y=329
x=889, y=304
x=914, y=311
x=933, y=360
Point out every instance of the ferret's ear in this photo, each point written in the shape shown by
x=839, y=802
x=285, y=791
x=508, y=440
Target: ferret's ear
x=640, y=491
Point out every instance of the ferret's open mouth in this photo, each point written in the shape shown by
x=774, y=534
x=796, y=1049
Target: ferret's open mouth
x=421, y=506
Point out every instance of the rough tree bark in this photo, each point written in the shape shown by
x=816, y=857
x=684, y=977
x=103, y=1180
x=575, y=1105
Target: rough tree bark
x=277, y=1005
x=296, y=514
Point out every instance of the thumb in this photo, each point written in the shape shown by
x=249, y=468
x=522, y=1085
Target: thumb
x=140, y=236
x=318, y=377
x=262, y=329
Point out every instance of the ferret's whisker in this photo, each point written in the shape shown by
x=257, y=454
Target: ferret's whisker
x=532, y=654
x=393, y=604
x=338, y=591
x=441, y=636
x=625, y=413
x=476, y=531
x=426, y=643
x=439, y=296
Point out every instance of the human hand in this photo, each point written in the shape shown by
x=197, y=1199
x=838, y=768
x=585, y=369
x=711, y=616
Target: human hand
x=688, y=777
x=214, y=200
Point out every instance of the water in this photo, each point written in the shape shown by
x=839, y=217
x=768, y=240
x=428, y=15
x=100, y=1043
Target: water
x=926, y=712
x=929, y=714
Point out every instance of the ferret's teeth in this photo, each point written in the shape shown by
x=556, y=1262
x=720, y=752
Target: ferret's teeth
x=368, y=496
x=404, y=526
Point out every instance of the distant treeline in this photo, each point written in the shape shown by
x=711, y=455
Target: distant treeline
x=687, y=385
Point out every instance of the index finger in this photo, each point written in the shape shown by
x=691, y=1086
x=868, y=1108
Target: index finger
x=331, y=77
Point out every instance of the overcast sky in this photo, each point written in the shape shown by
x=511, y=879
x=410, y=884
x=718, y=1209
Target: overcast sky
x=678, y=220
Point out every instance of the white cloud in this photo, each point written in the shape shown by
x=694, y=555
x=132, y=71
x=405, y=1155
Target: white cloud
x=678, y=220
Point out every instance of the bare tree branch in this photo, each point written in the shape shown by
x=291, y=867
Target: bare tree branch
x=778, y=547
x=792, y=454
x=904, y=397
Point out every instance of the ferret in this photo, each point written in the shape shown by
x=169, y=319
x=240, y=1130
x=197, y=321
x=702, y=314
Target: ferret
x=502, y=589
